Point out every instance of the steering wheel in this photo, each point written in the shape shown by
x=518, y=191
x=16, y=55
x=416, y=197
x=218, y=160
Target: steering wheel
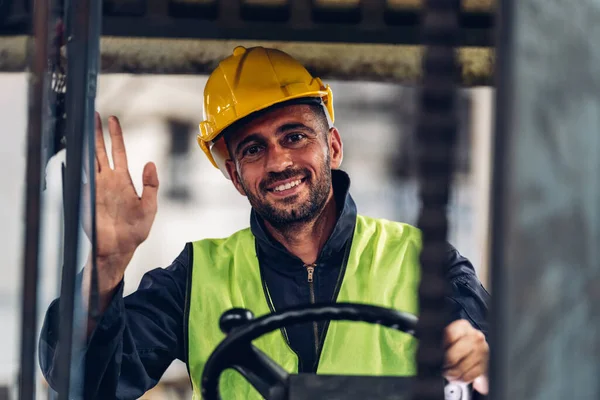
x=271, y=380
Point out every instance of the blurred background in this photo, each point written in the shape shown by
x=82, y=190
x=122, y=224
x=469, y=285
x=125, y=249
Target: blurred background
x=160, y=114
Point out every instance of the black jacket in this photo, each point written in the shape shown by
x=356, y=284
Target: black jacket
x=140, y=335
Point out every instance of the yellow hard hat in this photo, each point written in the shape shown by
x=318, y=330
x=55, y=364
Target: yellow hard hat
x=248, y=81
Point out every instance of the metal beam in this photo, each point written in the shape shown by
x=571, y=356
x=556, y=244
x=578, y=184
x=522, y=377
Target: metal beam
x=334, y=21
x=546, y=214
x=342, y=61
x=468, y=5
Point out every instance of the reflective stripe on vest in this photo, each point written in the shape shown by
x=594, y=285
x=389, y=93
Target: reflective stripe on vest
x=382, y=269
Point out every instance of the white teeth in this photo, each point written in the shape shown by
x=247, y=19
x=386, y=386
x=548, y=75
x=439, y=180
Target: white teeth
x=287, y=186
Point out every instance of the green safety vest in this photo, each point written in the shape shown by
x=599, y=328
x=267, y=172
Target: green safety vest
x=382, y=269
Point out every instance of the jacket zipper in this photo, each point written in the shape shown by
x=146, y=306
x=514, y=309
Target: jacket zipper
x=272, y=308
x=310, y=269
x=334, y=298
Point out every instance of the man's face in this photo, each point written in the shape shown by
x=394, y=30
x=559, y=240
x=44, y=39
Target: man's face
x=282, y=162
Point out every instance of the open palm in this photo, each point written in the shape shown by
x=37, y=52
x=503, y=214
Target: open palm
x=123, y=218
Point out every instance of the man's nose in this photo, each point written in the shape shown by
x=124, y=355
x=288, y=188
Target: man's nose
x=278, y=159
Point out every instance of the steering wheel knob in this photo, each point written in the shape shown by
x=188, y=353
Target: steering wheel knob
x=234, y=318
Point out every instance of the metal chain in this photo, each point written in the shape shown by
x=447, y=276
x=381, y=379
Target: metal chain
x=436, y=136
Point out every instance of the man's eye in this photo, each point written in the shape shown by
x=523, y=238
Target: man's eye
x=295, y=137
x=252, y=150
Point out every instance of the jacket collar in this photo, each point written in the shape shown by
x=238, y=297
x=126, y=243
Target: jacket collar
x=276, y=253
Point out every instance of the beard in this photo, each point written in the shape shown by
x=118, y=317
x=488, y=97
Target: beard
x=289, y=211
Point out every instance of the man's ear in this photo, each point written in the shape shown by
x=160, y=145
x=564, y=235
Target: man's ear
x=336, y=149
x=234, y=176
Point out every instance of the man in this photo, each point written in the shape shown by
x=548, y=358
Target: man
x=268, y=127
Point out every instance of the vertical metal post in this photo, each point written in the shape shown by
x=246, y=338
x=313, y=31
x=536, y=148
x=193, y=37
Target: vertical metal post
x=37, y=91
x=481, y=148
x=83, y=35
x=546, y=202
x=503, y=121
x=95, y=27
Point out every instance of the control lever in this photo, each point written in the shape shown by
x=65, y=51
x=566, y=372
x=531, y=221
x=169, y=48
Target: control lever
x=457, y=391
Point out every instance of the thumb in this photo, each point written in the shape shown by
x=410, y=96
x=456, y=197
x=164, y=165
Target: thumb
x=481, y=384
x=150, y=191
x=86, y=214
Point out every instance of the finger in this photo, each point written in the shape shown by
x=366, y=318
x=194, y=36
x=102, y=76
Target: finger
x=456, y=330
x=478, y=356
x=101, y=156
x=473, y=341
x=471, y=373
x=150, y=191
x=118, y=145
x=86, y=216
x=458, y=352
x=86, y=165
x=457, y=371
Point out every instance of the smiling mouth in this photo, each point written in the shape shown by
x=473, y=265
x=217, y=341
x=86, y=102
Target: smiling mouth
x=287, y=186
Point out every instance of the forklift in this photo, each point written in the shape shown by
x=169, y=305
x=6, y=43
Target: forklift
x=440, y=45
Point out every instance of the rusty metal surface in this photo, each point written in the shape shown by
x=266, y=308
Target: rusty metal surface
x=546, y=224
x=369, y=45
x=337, y=61
x=469, y=5
x=13, y=53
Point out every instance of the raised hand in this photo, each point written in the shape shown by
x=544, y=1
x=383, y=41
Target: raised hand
x=123, y=218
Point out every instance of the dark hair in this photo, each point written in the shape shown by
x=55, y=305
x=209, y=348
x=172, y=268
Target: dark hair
x=319, y=111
